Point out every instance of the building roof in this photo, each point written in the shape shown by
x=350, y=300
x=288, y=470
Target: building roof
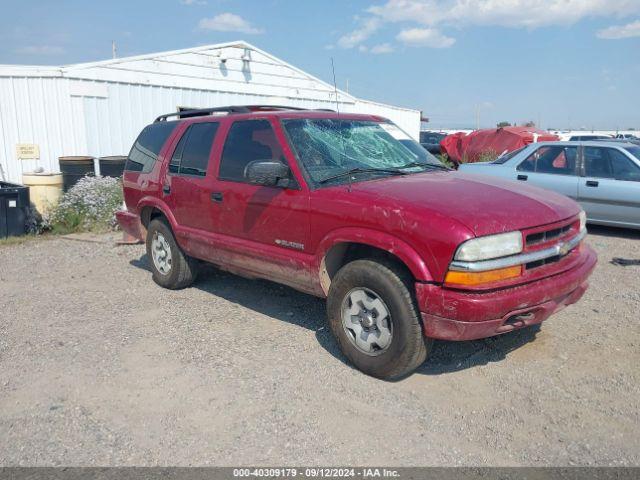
x=231, y=66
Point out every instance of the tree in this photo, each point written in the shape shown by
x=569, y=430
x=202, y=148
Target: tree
x=530, y=123
x=503, y=124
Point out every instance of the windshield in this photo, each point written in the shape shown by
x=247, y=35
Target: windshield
x=328, y=148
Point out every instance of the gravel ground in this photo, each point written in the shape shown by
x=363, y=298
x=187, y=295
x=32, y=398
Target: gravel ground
x=99, y=366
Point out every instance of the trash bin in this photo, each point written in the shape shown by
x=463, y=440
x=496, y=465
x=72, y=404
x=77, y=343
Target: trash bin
x=112, y=166
x=14, y=209
x=74, y=168
x=45, y=189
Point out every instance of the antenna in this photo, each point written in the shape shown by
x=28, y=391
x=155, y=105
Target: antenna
x=335, y=88
x=114, y=51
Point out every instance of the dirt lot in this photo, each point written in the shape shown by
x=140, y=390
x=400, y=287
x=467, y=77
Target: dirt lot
x=99, y=366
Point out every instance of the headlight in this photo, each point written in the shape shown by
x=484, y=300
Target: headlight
x=583, y=220
x=493, y=246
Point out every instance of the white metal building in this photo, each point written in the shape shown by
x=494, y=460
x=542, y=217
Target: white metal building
x=98, y=108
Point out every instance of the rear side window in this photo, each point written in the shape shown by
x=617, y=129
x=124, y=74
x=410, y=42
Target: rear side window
x=555, y=159
x=191, y=156
x=247, y=141
x=145, y=150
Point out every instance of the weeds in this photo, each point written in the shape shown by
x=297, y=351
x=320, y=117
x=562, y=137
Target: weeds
x=89, y=205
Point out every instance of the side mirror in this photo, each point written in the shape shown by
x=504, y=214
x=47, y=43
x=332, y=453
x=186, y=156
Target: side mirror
x=269, y=173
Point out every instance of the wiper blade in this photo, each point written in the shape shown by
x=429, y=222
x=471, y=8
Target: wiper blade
x=426, y=165
x=392, y=171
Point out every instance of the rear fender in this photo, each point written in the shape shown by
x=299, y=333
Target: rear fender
x=160, y=205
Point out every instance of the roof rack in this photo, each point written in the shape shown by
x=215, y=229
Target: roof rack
x=200, y=112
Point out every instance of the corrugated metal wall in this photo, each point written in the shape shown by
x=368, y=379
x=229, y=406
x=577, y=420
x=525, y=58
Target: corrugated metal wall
x=67, y=112
x=35, y=110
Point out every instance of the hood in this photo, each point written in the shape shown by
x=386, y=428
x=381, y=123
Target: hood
x=486, y=205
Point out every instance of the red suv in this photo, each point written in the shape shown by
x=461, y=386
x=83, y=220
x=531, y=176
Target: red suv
x=350, y=208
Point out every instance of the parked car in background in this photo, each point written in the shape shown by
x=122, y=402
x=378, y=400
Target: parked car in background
x=635, y=141
x=431, y=141
x=603, y=176
x=404, y=249
x=587, y=137
x=626, y=136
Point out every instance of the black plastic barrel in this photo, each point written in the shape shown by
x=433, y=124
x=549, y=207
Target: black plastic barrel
x=73, y=169
x=112, y=166
x=14, y=209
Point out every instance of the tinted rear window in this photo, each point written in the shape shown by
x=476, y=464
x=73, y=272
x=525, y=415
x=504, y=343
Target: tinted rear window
x=145, y=150
x=191, y=156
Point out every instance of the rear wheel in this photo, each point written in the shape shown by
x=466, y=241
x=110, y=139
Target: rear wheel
x=170, y=266
x=375, y=319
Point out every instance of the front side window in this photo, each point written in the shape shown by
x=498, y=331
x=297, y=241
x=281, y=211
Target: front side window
x=609, y=163
x=329, y=148
x=248, y=141
x=191, y=156
x=553, y=159
x=635, y=151
x=145, y=150
x=622, y=167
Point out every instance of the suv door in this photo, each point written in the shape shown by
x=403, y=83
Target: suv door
x=187, y=187
x=609, y=191
x=553, y=167
x=267, y=228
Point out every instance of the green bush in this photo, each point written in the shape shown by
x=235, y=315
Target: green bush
x=444, y=159
x=89, y=205
x=486, y=156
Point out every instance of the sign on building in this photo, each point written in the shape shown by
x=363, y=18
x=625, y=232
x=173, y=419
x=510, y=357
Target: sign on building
x=27, y=151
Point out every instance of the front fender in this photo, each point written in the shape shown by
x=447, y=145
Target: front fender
x=377, y=239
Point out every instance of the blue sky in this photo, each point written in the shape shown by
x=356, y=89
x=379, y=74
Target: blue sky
x=564, y=63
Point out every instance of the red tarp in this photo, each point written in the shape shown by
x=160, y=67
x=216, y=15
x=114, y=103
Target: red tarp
x=496, y=140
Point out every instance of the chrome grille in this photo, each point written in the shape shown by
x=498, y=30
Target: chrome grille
x=546, y=236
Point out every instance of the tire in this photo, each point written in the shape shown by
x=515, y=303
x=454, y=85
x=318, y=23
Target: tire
x=407, y=348
x=181, y=270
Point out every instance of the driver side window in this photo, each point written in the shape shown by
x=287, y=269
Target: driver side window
x=248, y=141
x=609, y=163
x=623, y=168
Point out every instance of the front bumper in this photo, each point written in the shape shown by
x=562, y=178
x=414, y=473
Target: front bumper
x=458, y=315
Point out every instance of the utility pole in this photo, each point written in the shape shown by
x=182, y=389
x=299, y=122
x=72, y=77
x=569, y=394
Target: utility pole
x=477, y=116
x=114, y=52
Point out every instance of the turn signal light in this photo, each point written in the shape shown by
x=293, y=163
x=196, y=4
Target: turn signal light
x=479, y=278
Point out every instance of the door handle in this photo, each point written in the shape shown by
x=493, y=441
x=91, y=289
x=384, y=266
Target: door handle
x=523, y=177
x=592, y=183
x=216, y=197
x=166, y=189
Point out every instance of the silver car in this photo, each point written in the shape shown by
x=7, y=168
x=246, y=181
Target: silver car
x=604, y=177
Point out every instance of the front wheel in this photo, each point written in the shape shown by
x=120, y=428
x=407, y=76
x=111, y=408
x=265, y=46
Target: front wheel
x=374, y=317
x=171, y=267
